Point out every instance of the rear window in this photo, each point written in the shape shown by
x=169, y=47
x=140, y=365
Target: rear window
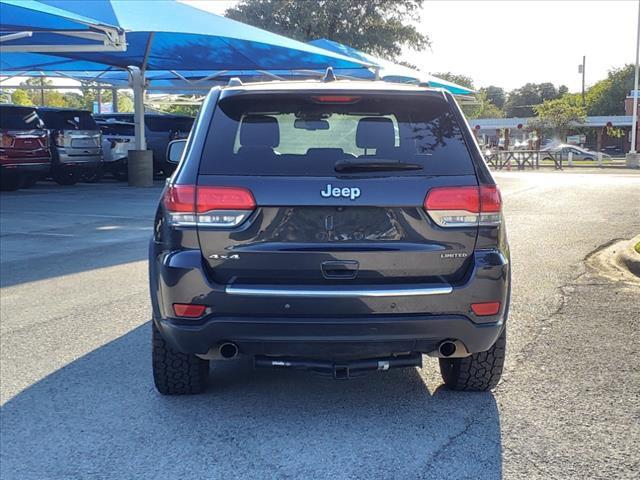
x=19, y=118
x=119, y=128
x=68, y=120
x=310, y=135
x=168, y=124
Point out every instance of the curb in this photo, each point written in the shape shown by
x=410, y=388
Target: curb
x=629, y=258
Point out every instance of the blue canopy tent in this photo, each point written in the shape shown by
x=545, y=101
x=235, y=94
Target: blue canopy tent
x=389, y=71
x=176, y=37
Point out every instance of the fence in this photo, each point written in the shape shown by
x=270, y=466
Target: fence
x=534, y=159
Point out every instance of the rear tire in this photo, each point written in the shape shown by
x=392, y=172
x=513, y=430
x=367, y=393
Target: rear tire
x=174, y=372
x=477, y=372
x=10, y=183
x=65, y=178
x=94, y=177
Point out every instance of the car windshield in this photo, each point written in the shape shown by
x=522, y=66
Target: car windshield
x=314, y=135
x=19, y=118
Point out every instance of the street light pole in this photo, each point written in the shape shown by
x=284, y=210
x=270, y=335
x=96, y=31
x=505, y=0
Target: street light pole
x=634, y=124
x=584, y=60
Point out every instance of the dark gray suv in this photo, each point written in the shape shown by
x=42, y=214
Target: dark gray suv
x=335, y=226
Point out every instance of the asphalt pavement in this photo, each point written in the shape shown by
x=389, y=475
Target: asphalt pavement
x=77, y=398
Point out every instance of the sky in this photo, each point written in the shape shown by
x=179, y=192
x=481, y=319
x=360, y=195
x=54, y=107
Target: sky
x=510, y=43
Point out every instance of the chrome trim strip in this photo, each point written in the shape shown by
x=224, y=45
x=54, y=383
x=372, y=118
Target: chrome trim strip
x=346, y=292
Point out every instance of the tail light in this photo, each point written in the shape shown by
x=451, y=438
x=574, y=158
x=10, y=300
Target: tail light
x=464, y=206
x=205, y=206
x=6, y=140
x=335, y=99
x=486, y=308
x=189, y=310
x=59, y=139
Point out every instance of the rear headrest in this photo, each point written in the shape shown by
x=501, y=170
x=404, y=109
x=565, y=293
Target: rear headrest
x=259, y=131
x=330, y=153
x=375, y=132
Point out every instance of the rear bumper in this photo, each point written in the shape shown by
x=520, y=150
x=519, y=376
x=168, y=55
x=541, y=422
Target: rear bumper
x=38, y=168
x=330, y=337
x=326, y=327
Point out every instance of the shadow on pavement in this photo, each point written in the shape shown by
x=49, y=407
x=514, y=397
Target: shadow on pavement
x=100, y=417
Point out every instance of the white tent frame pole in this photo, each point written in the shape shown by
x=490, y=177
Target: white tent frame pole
x=137, y=84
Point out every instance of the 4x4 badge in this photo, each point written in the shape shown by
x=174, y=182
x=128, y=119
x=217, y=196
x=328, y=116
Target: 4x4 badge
x=215, y=256
x=337, y=192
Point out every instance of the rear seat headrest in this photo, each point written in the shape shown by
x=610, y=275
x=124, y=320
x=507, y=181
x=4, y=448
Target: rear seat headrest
x=375, y=132
x=259, y=131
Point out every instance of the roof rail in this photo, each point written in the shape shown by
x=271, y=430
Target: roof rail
x=235, y=82
x=329, y=76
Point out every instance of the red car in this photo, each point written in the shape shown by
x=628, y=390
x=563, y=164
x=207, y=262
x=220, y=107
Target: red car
x=25, y=156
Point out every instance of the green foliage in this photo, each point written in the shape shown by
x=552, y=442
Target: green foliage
x=484, y=108
x=190, y=110
x=21, y=97
x=378, y=27
x=559, y=114
x=607, y=96
x=521, y=102
x=495, y=95
x=461, y=80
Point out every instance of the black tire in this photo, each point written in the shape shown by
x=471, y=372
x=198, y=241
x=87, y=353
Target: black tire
x=65, y=178
x=10, y=183
x=120, y=175
x=93, y=177
x=29, y=181
x=176, y=373
x=477, y=372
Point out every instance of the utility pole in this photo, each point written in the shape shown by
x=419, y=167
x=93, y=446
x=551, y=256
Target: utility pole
x=582, y=69
x=42, y=91
x=634, y=123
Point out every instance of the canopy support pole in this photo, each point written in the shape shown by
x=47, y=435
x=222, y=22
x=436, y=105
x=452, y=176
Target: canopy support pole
x=137, y=84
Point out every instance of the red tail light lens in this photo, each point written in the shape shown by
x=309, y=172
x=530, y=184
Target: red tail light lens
x=224, y=198
x=484, y=309
x=205, y=206
x=464, y=206
x=335, y=99
x=189, y=310
x=6, y=140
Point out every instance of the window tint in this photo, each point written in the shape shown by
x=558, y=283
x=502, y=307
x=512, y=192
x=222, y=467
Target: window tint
x=113, y=128
x=294, y=134
x=168, y=124
x=68, y=120
x=19, y=118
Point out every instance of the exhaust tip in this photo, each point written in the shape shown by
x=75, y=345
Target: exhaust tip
x=447, y=348
x=228, y=350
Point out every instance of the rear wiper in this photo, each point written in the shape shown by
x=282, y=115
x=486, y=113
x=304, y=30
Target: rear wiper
x=378, y=164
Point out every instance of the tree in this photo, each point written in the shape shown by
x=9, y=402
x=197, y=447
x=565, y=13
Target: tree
x=521, y=101
x=495, y=95
x=560, y=114
x=484, y=108
x=21, y=97
x=607, y=96
x=461, y=80
x=378, y=27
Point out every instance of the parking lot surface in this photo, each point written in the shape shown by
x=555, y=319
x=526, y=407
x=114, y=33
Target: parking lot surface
x=78, y=399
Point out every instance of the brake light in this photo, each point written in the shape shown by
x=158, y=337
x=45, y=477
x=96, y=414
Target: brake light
x=188, y=310
x=6, y=140
x=464, y=206
x=205, y=206
x=486, y=308
x=335, y=99
x=59, y=139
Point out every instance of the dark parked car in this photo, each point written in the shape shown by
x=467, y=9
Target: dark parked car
x=76, y=145
x=160, y=129
x=25, y=156
x=338, y=226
